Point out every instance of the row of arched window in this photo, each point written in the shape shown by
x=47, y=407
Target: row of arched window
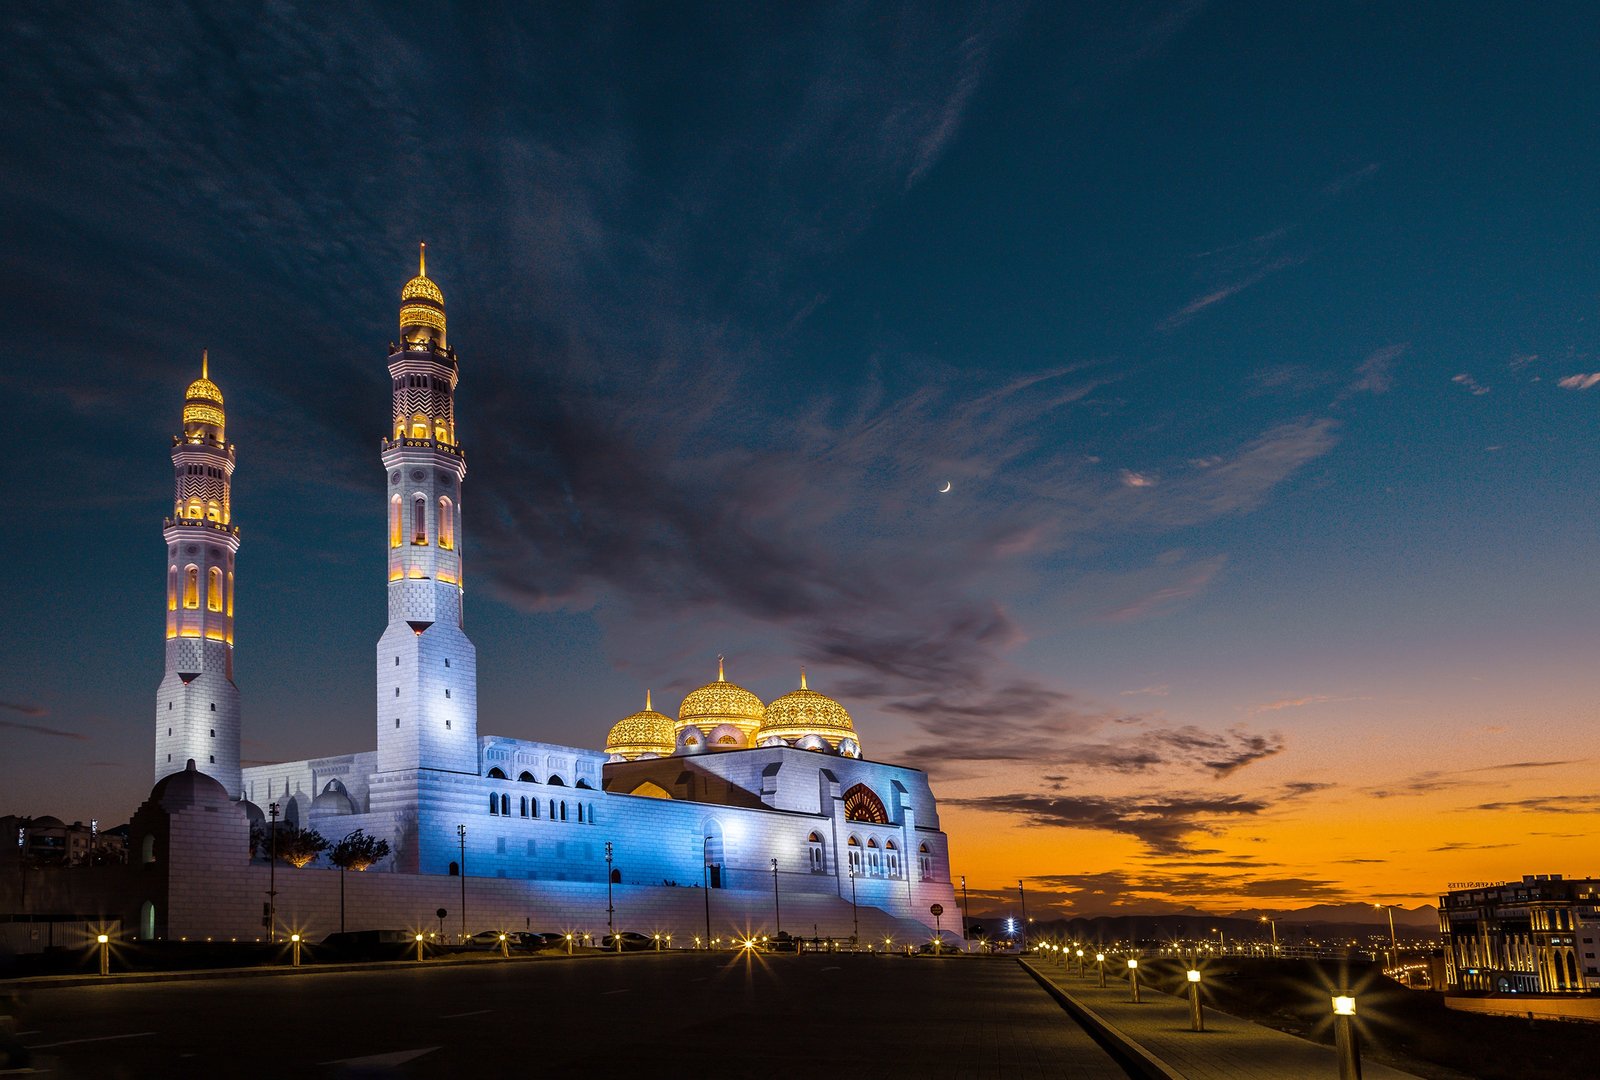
x=216, y=597
x=419, y=521
x=422, y=426
x=526, y=777
x=500, y=806
x=198, y=509
x=870, y=860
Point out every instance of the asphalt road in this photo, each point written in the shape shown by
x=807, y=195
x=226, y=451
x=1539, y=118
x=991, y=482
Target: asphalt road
x=659, y=1015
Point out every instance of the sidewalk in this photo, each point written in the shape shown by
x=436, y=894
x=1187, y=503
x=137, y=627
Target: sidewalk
x=1156, y=1032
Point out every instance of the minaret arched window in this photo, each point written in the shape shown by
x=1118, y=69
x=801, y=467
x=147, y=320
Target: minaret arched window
x=394, y=521
x=213, y=511
x=419, y=426
x=447, y=523
x=172, y=588
x=214, y=589
x=230, y=594
x=419, y=520
x=191, y=586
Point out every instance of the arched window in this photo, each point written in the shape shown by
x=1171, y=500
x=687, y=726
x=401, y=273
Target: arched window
x=584, y=784
x=455, y=869
x=172, y=588
x=563, y=809
x=556, y=780
x=419, y=520
x=524, y=806
x=496, y=774
x=440, y=432
x=505, y=805
x=195, y=511
x=552, y=809
x=191, y=586
x=891, y=859
x=447, y=523
x=230, y=594
x=924, y=862
x=874, y=858
x=394, y=521
x=419, y=426
x=854, y=848
x=526, y=777
x=580, y=813
x=147, y=850
x=651, y=790
x=861, y=804
x=814, y=850
x=533, y=806
x=213, y=511
x=214, y=589
x=494, y=803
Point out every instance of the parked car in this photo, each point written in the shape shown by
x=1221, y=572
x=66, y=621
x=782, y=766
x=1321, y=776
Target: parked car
x=631, y=942
x=539, y=941
x=373, y=945
x=485, y=941
x=782, y=942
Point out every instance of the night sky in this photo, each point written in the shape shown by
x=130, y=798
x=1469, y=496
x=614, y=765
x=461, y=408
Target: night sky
x=1257, y=344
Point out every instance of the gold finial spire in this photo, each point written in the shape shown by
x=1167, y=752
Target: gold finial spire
x=803, y=678
x=422, y=260
x=647, y=700
x=719, y=669
x=205, y=363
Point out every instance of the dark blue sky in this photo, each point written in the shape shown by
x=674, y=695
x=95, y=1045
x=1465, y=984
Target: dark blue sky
x=1254, y=340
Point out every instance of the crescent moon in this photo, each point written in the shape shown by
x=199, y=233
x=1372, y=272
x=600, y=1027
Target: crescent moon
x=945, y=488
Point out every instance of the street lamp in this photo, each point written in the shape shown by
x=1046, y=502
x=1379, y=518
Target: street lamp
x=777, y=912
x=610, y=921
x=1133, y=979
x=1274, y=924
x=1080, y=963
x=1346, y=1041
x=272, y=877
x=1100, y=958
x=461, y=834
x=1222, y=942
x=1394, y=947
x=705, y=882
x=419, y=948
x=855, y=914
x=294, y=941
x=1197, y=1019
x=966, y=914
x=105, y=953
x=1023, y=896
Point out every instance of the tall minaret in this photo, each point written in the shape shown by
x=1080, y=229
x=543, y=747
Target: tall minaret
x=427, y=669
x=197, y=704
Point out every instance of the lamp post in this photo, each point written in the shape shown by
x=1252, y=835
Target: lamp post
x=705, y=882
x=419, y=948
x=1197, y=1019
x=1133, y=979
x=461, y=834
x=1080, y=963
x=104, y=941
x=272, y=876
x=777, y=912
x=1273, y=923
x=855, y=913
x=1346, y=1042
x=1222, y=942
x=1394, y=947
x=1023, y=896
x=1100, y=958
x=966, y=914
x=294, y=942
x=610, y=911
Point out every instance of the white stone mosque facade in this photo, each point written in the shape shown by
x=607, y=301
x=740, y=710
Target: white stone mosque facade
x=765, y=814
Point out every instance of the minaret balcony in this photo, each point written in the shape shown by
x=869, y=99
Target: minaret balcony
x=201, y=523
x=423, y=444
x=443, y=352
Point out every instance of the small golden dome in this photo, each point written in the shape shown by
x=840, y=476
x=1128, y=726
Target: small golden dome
x=421, y=302
x=647, y=732
x=202, y=402
x=721, y=702
x=805, y=712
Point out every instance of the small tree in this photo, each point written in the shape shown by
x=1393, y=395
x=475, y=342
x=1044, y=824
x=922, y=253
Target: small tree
x=357, y=852
x=298, y=847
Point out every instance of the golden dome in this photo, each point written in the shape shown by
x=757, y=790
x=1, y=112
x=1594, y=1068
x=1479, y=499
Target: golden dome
x=647, y=732
x=721, y=702
x=805, y=712
x=421, y=302
x=202, y=402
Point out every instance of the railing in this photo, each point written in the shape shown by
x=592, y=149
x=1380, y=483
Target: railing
x=425, y=444
x=423, y=346
x=202, y=523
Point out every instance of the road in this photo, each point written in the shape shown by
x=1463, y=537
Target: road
x=682, y=1015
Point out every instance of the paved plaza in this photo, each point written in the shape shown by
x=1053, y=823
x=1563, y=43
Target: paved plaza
x=675, y=1015
x=1228, y=1049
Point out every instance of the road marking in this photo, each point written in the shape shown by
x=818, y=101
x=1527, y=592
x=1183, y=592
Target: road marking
x=383, y=1061
x=98, y=1038
x=458, y=1016
x=608, y=993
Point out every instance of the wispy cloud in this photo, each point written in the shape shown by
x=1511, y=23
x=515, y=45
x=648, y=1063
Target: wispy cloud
x=1342, y=183
x=25, y=708
x=1297, y=703
x=1158, y=690
x=1545, y=804
x=40, y=729
x=1162, y=824
x=1579, y=382
x=1470, y=384
x=1195, y=579
x=1375, y=374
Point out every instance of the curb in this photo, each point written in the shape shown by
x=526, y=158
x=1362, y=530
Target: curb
x=1127, y=1050
x=69, y=982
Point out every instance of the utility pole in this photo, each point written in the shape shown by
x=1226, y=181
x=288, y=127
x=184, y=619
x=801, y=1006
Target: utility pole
x=855, y=912
x=461, y=834
x=610, y=921
x=705, y=882
x=1023, y=896
x=777, y=912
x=966, y=912
x=272, y=877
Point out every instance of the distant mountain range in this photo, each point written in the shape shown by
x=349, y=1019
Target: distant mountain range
x=1354, y=920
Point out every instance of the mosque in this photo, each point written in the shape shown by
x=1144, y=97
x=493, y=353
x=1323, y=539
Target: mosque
x=770, y=807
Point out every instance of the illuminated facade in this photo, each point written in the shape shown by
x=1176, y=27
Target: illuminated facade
x=197, y=703
x=733, y=794
x=1538, y=935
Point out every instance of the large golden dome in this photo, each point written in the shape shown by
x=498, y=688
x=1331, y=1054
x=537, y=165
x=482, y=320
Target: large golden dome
x=647, y=732
x=721, y=702
x=421, y=302
x=805, y=712
x=202, y=402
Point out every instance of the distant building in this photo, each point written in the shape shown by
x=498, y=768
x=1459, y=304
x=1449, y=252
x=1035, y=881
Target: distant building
x=49, y=841
x=1537, y=935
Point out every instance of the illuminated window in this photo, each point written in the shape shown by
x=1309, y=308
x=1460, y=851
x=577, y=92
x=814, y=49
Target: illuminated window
x=924, y=862
x=394, y=521
x=814, y=849
x=854, y=849
x=440, y=432
x=172, y=588
x=195, y=510
x=419, y=426
x=874, y=859
x=230, y=594
x=214, y=589
x=447, y=523
x=861, y=804
x=213, y=511
x=191, y=586
x=419, y=520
